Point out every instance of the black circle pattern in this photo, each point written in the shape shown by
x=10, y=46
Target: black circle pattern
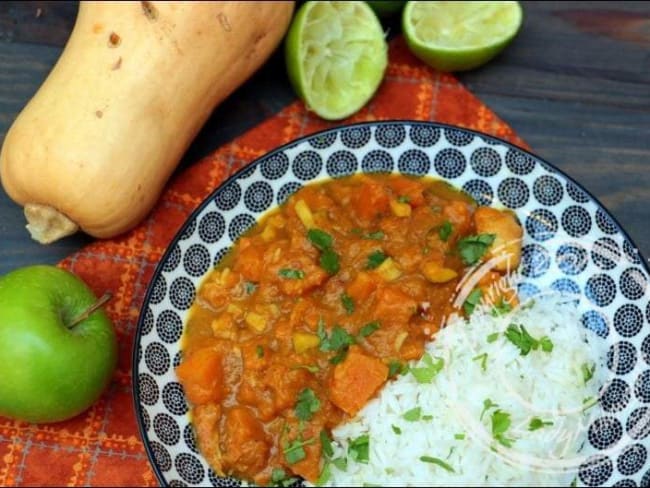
x=148, y=387
x=566, y=287
x=258, y=197
x=159, y=290
x=596, y=470
x=450, y=163
x=547, y=190
x=189, y=468
x=219, y=255
x=240, y=224
x=541, y=224
x=615, y=396
x=157, y=358
x=222, y=482
x=535, y=260
x=513, y=192
x=642, y=386
x=628, y=320
x=625, y=483
x=175, y=483
x=275, y=165
x=341, y=163
x=173, y=259
x=638, y=423
x=423, y=135
x=576, y=221
x=196, y=260
x=576, y=194
x=147, y=322
x=621, y=357
x=212, y=227
x=166, y=429
x=480, y=191
x=595, y=322
x=188, y=230
x=605, y=222
x=600, y=290
x=390, y=135
x=605, y=432
x=631, y=252
x=307, y=165
x=458, y=137
x=160, y=454
x=605, y=253
x=190, y=438
x=414, y=162
x=519, y=163
x=169, y=326
x=228, y=197
x=174, y=399
x=322, y=141
x=377, y=161
x=287, y=190
x=632, y=459
x=572, y=259
x=355, y=137
x=485, y=161
x=633, y=283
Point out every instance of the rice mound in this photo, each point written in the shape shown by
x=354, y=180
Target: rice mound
x=482, y=367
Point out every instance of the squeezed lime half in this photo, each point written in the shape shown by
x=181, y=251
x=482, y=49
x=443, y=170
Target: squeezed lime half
x=458, y=36
x=336, y=55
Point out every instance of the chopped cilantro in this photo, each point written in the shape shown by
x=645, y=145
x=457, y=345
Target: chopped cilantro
x=445, y=230
x=340, y=463
x=369, y=328
x=487, y=404
x=500, y=424
x=308, y=404
x=291, y=274
x=472, y=300
x=412, y=415
x=250, y=287
x=396, y=429
x=403, y=199
x=374, y=236
x=326, y=444
x=359, y=449
x=501, y=308
x=472, y=248
x=437, y=462
x=375, y=259
x=329, y=261
x=483, y=358
x=492, y=337
x=587, y=371
x=519, y=336
x=537, y=423
x=294, y=451
x=426, y=373
x=320, y=239
x=259, y=350
x=395, y=367
x=459, y=437
x=348, y=303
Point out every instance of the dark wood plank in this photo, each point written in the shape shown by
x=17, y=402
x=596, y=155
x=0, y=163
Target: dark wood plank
x=574, y=84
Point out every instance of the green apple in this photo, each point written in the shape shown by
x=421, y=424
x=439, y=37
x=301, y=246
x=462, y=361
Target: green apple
x=54, y=361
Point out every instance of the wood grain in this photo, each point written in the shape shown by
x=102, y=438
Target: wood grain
x=575, y=84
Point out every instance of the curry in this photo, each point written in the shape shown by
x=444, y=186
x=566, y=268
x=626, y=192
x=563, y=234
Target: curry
x=318, y=305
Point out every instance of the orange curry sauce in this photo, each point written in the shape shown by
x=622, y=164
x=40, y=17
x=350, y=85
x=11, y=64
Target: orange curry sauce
x=317, y=306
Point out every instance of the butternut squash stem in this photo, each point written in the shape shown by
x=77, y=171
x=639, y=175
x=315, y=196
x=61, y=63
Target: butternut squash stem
x=46, y=224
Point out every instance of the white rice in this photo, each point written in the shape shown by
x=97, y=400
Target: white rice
x=546, y=385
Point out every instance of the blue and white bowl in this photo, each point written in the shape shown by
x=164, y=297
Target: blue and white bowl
x=571, y=244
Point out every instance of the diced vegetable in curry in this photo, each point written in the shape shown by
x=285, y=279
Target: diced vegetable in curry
x=320, y=304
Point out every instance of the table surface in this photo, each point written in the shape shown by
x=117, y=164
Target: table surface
x=575, y=84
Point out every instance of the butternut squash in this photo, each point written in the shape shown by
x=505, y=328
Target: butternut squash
x=136, y=81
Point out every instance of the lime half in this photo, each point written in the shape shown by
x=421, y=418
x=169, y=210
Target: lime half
x=457, y=36
x=336, y=56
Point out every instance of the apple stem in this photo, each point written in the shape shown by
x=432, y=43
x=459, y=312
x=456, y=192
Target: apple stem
x=86, y=313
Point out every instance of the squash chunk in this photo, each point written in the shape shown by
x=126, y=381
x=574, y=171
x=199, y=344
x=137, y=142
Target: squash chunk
x=202, y=376
x=356, y=380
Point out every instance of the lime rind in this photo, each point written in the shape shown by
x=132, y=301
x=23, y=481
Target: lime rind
x=459, y=36
x=336, y=56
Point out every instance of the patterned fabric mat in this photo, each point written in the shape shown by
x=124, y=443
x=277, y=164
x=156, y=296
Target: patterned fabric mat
x=102, y=446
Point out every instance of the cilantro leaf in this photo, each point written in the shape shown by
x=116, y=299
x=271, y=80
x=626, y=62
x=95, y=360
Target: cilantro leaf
x=546, y=344
x=437, y=462
x=445, y=230
x=339, y=356
x=396, y=429
x=308, y=404
x=348, y=303
x=325, y=475
x=374, y=236
x=537, y=423
x=291, y=274
x=369, y=328
x=587, y=371
x=375, y=259
x=280, y=478
x=320, y=239
x=412, y=415
x=500, y=424
x=259, y=350
x=395, y=367
x=359, y=449
x=459, y=437
x=403, y=199
x=492, y=337
x=294, y=451
x=472, y=248
x=487, y=404
x=426, y=373
x=326, y=444
x=483, y=358
x=340, y=463
x=250, y=287
x=329, y=261
x=519, y=336
x=472, y=300
x=501, y=308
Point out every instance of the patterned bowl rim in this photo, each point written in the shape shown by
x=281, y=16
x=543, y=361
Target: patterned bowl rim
x=208, y=199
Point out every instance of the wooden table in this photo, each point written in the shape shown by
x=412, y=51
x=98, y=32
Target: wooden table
x=575, y=85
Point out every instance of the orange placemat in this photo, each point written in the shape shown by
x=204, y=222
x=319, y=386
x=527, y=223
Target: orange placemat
x=102, y=446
